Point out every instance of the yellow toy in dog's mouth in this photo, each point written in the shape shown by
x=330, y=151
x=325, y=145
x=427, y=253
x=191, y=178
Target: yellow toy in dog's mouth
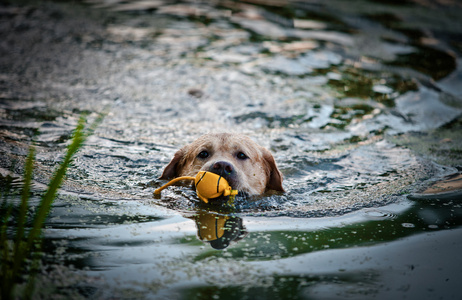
x=208, y=186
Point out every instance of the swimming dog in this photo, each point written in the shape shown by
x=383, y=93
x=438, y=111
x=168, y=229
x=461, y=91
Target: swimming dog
x=246, y=166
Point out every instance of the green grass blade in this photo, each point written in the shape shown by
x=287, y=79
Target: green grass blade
x=99, y=119
x=7, y=274
x=7, y=278
x=55, y=183
x=25, y=198
x=19, y=253
x=30, y=285
x=28, y=247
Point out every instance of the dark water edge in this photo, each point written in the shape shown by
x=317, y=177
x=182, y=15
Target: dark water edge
x=401, y=250
x=360, y=102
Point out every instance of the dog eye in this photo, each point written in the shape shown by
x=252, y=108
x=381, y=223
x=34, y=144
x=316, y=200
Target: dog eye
x=242, y=155
x=203, y=154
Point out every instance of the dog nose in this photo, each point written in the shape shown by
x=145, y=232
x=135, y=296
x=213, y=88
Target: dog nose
x=222, y=168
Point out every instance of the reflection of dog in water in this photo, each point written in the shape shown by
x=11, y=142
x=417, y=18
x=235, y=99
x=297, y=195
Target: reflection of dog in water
x=219, y=230
x=248, y=167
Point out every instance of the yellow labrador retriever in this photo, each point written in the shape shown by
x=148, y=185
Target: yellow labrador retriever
x=246, y=166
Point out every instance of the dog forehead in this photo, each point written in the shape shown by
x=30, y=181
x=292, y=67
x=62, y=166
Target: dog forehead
x=226, y=142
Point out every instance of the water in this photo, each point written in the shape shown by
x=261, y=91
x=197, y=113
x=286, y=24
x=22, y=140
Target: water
x=360, y=105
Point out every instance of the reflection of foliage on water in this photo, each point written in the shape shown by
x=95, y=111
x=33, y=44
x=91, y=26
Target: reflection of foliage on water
x=345, y=114
x=433, y=62
x=290, y=287
x=381, y=227
x=360, y=83
x=428, y=60
x=443, y=145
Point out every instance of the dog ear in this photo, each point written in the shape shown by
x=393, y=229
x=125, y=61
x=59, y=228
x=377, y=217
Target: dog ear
x=275, y=177
x=174, y=166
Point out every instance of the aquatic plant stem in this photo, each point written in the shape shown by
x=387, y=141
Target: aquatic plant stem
x=19, y=253
x=29, y=167
x=5, y=282
x=55, y=183
x=27, y=246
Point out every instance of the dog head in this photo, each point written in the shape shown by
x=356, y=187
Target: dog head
x=246, y=166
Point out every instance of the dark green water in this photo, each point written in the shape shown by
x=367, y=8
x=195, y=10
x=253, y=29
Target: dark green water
x=359, y=101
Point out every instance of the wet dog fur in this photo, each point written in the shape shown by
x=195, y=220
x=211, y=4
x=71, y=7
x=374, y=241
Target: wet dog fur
x=246, y=166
